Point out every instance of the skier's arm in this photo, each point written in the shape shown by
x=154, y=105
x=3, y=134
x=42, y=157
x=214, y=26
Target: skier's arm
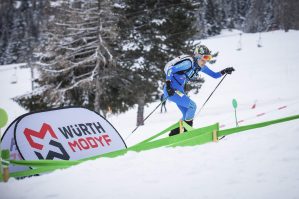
x=209, y=72
x=185, y=65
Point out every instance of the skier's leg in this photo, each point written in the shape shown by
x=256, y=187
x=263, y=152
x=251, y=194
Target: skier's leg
x=183, y=110
x=187, y=107
x=191, y=111
x=187, y=113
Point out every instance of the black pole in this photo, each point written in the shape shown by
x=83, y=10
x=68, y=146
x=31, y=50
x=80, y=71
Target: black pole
x=210, y=95
x=147, y=117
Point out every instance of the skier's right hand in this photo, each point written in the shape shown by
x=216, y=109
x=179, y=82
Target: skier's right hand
x=228, y=70
x=169, y=89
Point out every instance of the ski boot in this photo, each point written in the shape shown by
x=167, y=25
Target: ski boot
x=177, y=130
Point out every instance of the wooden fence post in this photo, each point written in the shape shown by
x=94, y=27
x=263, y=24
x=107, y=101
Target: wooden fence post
x=181, y=126
x=215, y=135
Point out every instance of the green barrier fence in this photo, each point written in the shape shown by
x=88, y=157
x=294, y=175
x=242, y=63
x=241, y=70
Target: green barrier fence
x=191, y=138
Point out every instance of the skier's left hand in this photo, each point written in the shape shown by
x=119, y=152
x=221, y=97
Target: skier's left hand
x=228, y=70
x=169, y=89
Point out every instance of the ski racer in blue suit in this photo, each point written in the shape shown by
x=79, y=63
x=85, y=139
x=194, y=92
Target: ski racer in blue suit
x=182, y=72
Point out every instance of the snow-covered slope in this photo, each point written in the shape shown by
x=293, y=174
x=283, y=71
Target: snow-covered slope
x=14, y=81
x=260, y=163
x=267, y=76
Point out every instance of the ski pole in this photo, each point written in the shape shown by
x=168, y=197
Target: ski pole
x=210, y=96
x=147, y=117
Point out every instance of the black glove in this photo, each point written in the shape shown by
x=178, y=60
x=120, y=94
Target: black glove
x=228, y=70
x=169, y=90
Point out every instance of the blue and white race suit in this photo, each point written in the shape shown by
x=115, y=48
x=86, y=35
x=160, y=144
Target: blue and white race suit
x=179, y=75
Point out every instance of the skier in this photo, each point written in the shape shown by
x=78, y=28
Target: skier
x=183, y=69
x=163, y=105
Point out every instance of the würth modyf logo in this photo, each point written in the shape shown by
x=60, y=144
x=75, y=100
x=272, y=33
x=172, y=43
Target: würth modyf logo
x=46, y=128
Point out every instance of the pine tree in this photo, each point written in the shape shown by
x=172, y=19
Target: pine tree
x=213, y=18
x=77, y=66
x=20, y=29
x=153, y=32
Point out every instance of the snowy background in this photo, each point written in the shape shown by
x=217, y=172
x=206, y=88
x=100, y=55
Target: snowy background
x=261, y=163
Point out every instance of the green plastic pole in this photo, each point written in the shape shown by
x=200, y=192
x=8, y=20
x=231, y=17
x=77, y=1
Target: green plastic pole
x=3, y=121
x=235, y=105
x=5, y=155
x=0, y=154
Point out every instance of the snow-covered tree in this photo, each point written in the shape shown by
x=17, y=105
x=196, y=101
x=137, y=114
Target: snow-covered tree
x=213, y=18
x=20, y=23
x=153, y=32
x=77, y=64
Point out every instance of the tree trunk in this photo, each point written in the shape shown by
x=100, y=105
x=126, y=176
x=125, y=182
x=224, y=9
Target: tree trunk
x=98, y=93
x=140, y=111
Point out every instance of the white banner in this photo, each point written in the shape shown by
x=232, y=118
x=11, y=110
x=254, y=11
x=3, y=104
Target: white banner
x=71, y=133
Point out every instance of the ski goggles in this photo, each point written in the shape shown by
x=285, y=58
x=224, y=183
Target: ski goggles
x=206, y=57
